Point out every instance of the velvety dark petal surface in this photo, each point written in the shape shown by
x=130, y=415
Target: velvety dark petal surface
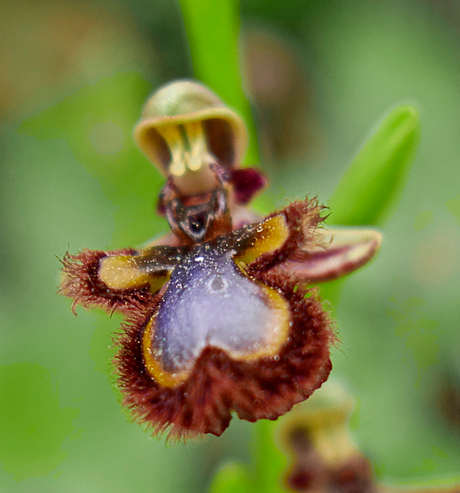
x=247, y=182
x=302, y=219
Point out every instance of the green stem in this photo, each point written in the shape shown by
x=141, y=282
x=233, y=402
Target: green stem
x=213, y=30
x=270, y=462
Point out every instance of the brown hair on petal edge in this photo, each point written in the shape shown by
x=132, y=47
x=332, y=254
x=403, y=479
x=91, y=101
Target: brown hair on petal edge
x=260, y=389
x=82, y=284
x=302, y=219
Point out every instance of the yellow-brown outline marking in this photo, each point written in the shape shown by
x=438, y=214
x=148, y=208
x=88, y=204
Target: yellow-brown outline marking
x=270, y=235
x=122, y=272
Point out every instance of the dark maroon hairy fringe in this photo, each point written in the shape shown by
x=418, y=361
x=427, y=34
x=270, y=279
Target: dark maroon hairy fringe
x=261, y=389
x=81, y=283
x=302, y=218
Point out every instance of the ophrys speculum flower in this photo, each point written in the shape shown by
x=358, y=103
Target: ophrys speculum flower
x=219, y=316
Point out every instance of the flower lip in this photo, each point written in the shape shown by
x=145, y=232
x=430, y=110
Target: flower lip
x=263, y=388
x=264, y=370
x=209, y=301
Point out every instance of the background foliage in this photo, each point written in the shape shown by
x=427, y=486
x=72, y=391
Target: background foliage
x=320, y=75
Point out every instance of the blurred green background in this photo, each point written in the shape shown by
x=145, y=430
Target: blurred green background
x=320, y=75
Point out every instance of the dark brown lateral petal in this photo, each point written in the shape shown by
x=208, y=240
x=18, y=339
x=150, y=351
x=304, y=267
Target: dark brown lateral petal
x=255, y=240
x=337, y=253
x=150, y=268
x=301, y=219
x=247, y=182
x=262, y=389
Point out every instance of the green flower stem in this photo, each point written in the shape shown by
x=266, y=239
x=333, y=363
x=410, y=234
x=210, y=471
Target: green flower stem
x=270, y=462
x=232, y=477
x=213, y=29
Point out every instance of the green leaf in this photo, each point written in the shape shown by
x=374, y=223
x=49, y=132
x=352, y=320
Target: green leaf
x=368, y=191
x=233, y=477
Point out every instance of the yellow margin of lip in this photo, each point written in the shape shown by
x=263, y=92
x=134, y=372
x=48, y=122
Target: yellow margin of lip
x=270, y=235
x=281, y=318
x=163, y=378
